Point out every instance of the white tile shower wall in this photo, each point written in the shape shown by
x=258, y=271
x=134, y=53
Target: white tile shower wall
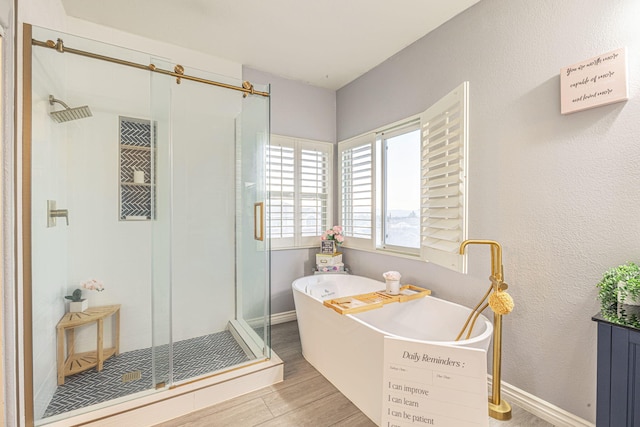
x=101, y=246
x=49, y=248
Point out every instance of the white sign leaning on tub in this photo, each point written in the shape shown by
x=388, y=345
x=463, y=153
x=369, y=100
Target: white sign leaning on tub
x=439, y=385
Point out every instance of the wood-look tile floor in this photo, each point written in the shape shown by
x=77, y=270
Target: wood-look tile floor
x=304, y=398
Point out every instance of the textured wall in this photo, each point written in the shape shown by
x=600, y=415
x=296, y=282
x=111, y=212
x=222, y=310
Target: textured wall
x=298, y=109
x=559, y=192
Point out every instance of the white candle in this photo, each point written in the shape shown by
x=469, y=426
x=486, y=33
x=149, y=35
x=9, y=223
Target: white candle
x=138, y=177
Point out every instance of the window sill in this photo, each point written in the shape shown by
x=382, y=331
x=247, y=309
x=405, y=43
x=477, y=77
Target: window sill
x=398, y=254
x=292, y=248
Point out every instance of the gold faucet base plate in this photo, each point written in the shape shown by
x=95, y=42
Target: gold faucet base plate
x=501, y=411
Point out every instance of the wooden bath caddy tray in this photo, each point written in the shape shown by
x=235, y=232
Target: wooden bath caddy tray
x=366, y=302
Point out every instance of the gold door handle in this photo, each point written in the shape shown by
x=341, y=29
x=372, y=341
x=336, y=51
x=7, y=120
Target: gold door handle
x=258, y=221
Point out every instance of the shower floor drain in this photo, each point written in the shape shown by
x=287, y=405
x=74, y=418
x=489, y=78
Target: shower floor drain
x=131, y=376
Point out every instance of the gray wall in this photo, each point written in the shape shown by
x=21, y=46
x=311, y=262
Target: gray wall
x=302, y=111
x=559, y=192
x=298, y=109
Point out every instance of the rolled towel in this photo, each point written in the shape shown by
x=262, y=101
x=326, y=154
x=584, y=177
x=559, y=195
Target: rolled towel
x=391, y=275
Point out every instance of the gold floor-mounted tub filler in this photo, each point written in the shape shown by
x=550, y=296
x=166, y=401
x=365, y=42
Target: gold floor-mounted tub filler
x=501, y=303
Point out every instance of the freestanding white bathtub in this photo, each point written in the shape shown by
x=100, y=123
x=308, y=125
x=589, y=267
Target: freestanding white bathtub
x=348, y=350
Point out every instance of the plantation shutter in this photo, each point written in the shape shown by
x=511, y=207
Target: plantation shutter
x=357, y=191
x=314, y=182
x=299, y=183
x=443, y=179
x=280, y=212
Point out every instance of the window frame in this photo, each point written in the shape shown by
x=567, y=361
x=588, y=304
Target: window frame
x=298, y=145
x=382, y=184
x=443, y=254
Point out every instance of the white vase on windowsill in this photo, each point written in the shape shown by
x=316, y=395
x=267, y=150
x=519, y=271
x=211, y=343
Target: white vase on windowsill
x=78, y=306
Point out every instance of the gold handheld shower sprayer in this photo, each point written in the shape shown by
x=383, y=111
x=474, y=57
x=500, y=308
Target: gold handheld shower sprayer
x=501, y=303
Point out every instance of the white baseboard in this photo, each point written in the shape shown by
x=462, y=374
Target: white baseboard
x=540, y=408
x=283, y=317
x=286, y=316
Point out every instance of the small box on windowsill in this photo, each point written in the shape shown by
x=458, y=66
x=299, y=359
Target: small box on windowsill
x=320, y=270
x=329, y=259
x=330, y=268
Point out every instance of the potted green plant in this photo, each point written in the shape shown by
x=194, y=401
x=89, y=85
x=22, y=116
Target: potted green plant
x=77, y=303
x=619, y=285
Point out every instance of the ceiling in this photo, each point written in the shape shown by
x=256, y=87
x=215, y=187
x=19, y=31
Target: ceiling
x=326, y=43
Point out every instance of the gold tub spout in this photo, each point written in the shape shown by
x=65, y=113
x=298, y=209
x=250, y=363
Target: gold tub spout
x=496, y=256
x=498, y=408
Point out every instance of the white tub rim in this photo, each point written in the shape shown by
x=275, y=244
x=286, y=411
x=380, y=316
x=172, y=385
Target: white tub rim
x=298, y=286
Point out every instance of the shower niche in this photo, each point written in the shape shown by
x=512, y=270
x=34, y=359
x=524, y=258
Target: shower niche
x=136, y=161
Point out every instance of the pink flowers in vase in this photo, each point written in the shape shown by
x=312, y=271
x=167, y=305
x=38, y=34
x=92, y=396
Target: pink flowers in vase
x=334, y=233
x=93, y=285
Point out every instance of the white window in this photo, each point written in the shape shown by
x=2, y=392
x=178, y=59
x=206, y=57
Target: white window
x=410, y=177
x=299, y=185
x=398, y=203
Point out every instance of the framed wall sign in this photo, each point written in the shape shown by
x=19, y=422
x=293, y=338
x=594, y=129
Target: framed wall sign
x=597, y=81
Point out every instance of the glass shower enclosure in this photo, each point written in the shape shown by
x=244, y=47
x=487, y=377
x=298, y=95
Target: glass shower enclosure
x=152, y=205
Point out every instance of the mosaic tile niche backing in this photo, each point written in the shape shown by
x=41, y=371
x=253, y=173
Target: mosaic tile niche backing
x=136, y=198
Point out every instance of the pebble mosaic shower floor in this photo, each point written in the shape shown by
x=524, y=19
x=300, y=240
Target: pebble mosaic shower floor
x=192, y=358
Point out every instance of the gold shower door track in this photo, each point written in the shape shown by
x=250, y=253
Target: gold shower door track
x=178, y=73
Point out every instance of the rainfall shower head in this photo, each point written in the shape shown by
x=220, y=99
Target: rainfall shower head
x=68, y=114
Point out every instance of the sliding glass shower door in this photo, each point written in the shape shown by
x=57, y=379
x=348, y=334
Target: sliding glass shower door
x=253, y=244
x=159, y=197
x=89, y=228
x=209, y=154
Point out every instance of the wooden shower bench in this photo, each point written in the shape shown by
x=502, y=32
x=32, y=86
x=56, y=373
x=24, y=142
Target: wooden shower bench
x=74, y=363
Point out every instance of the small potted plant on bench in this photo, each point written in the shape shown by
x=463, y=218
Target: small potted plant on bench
x=78, y=303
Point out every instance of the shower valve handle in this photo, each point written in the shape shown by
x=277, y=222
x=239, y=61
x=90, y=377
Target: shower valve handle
x=53, y=213
x=60, y=213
